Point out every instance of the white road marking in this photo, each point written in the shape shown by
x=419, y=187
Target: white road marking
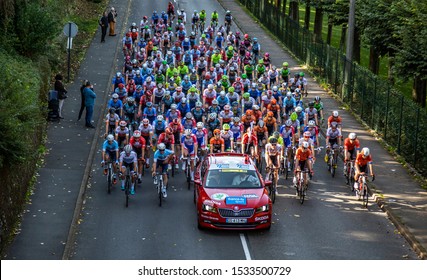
x=245, y=247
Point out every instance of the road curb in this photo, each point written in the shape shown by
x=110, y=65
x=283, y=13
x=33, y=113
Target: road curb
x=87, y=174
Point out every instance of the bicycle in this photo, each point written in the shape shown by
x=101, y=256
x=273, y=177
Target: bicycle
x=349, y=173
x=362, y=190
x=271, y=171
x=300, y=186
x=202, y=26
x=110, y=176
x=160, y=188
x=227, y=26
x=332, y=160
x=128, y=182
x=186, y=161
x=286, y=164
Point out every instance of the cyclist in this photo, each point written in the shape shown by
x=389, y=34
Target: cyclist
x=147, y=132
x=311, y=114
x=306, y=137
x=270, y=122
x=227, y=20
x=122, y=134
x=333, y=139
x=216, y=143
x=351, y=148
x=189, y=149
x=198, y=112
x=250, y=143
x=171, y=11
x=182, y=16
x=162, y=157
x=227, y=135
x=214, y=18
x=285, y=72
x=237, y=128
x=116, y=104
x=289, y=103
x=167, y=138
x=287, y=132
x=318, y=105
x=248, y=120
x=302, y=160
x=128, y=158
x=111, y=121
x=195, y=21
x=363, y=159
x=335, y=117
x=202, y=17
x=273, y=154
x=201, y=134
x=110, y=150
x=302, y=83
x=138, y=144
x=313, y=130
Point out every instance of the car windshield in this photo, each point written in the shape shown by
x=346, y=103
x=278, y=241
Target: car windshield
x=232, y=178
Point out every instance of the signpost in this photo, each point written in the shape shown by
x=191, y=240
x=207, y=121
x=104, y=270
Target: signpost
x=70, y=30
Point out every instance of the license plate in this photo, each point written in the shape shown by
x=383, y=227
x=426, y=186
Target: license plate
x=236, y=221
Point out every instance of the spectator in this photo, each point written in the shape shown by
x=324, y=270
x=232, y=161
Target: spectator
x=104, y=25
x=90, y=96
x=62, y=93
x=112, y=21
x=82, y=105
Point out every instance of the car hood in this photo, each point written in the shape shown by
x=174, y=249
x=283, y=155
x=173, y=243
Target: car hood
x=231, y=197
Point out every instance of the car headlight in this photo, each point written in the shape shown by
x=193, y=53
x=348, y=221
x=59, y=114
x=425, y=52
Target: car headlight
x=264, y=208
x=209, y=208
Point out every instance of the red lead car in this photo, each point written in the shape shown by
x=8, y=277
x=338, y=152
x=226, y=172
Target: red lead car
x=231, y=194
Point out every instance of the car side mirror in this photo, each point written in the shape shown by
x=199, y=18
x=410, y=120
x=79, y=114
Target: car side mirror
x=268, y=183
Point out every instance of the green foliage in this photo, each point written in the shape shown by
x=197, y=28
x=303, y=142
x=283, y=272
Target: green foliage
x=20, y=111
x=337, y=11
x=35, y=27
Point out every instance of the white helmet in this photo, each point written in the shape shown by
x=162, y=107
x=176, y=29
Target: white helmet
x=365, y=151
x=187, y=132
x=335, y=113
x=200, y=125
x=128, y=149
x=115, y=95
x=110, y=137
x=161, y=146
x=311, y=123
x=352, y=136
x=210, y=86
x=160, y=118
x=298, y=109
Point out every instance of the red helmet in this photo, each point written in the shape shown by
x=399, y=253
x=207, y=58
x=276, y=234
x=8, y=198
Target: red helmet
x=266, y=54
x=246, y=36
x=168, y=130
x=121, y=85
x=175, y=121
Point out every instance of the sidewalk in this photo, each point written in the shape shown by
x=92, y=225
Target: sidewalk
x=66, y=164
x=394, y=189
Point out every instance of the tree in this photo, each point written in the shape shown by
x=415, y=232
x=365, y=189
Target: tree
x=411, y=46
x=337, y=16
x=294, y=10
x=307, y=14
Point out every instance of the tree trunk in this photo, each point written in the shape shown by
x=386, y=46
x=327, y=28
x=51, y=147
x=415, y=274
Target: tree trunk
x=419, y=91
x=390, y=74
x=329, y=36
x=356, y=45
x=285, y=2
x=294, y=10
x=343, y=36
x=374, y=61
x=307, y=15
x=318, y=24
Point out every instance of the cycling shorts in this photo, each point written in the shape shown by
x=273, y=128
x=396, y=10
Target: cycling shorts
x=111, y=154
x=164, y=166
x=125, y=165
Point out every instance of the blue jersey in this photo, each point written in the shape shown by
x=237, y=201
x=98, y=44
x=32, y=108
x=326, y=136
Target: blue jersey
x=115, y=105
x=113, y=146
x=162, y=156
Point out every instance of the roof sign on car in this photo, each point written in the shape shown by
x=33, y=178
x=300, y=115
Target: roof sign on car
x=235, y=200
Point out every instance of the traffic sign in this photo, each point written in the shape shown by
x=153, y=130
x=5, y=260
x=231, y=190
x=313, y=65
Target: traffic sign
x=70, y=29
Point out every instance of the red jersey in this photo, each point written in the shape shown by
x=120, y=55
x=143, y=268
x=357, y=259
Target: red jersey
x=252, y=140
x=165, y=139
x=350, y=146
x=360, y=160
x=137, y=144
x=176, y=128
x=302, y=155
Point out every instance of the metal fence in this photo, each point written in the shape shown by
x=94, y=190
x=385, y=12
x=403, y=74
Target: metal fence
x=399, y=121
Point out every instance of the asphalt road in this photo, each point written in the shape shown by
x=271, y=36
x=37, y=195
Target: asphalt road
x=331, y=224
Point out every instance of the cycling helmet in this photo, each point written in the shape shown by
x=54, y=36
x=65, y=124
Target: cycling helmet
x=161, y=146
x=149, y=104
x=307, y=134
x=334, y=124
x=301, y=74
x=112, y=111
x=222, y=93
x=214, y=102
x=198, y=104
x=266, y=54
x=365, y=151
x=110, y=137
x=212, y=115
x=273, y=102
x=231, y=89
x=255, y=107
x=270, y=114
x=352, y=136
x=136, y=133
x=210, y=86
x=173, y=106
x=288, y=123
x=335, y=114
x=294, y=116
x=311, y=123
x=115, y=96
x=298, y=109
x=188, y=116
x=317, y=98
x=148, y=80
x=118, y=74
x=122, y=123
x=226, y=107
x=236, y=120
x=311, y=104
x=188, y=132
x=183, y=100
x=248, y=112
x=244, y=76
x=160, y=118
x=128, y=149
x=175, y=121
x=273, y=140
x=235, y=103
x=305, y=144
x=226, y=126
x=261, y=123
x=168, y=130
x=285, y=64
x=288, y=94
x=275, y=88
x=276, y=135
x=200, y=125
x=246, y=95
x=130, y=99
x=217, y=132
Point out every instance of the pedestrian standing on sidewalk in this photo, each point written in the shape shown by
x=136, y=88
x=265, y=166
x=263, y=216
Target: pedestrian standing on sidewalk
x=82, y=104
x=90, y=96
x=112, y=21
x=103, y=22
x=62, y=93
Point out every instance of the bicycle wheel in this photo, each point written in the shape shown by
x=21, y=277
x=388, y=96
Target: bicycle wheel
x=127, y=191
x=110, y=183
x=286, y=169
x=187, y=172
x=159, y=192
x=332, y=167
x=302, y=193
x=365, y=195
x=273, y=190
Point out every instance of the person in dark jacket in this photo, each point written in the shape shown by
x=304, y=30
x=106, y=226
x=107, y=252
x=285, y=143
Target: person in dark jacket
x=90, y=97
x=62, y=93
x=112, y=21
x=82, y=104
x=104, y=25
